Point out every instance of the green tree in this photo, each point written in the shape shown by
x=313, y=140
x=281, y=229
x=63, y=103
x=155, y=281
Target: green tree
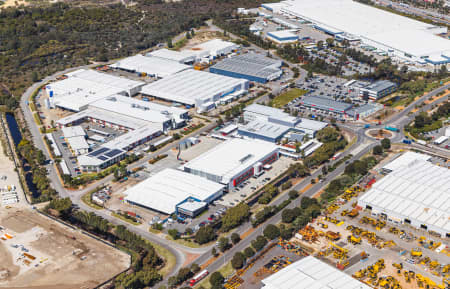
x=235, y=216
x=249, y=252
x=224, y=244
x=204, y=235
x=173, y=233
x=195, y=268
x=259, y=243
x=293, y=194
x=377, y=150
x=214, y=252
x=216, y=279
x=271, y=232
x=34, y=76
x=287, y=216
x=169, y=43
x=235, y=238
x=386, y=143
x=238, y=260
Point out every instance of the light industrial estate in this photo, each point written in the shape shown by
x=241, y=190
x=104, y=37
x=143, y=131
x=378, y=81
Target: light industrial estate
x=396, y=35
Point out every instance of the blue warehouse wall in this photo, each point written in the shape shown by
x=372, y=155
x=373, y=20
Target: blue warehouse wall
x=237, y=75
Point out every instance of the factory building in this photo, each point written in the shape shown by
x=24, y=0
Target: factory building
x=214, y=48
x=75, y=136
x=124, y=113
x=283, y=36
x=264, y=130
x=100, y=159
x=398, y=36
x=151, y=66
x=377, y=90
x=270, y=115
x=84, y=86
x=184, y=57
x=251, y=66
x=309, y=273
x=172, y=191
x=414, y=192
x=326, y=105
x=197, y=88
x=233, y=161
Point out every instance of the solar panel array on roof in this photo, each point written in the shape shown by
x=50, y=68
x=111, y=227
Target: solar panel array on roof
x=113, y=153
x=98, y=152
x=103, y=158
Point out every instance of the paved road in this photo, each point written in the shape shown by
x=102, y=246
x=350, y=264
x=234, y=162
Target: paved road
x=177, y=250
x=362, y=146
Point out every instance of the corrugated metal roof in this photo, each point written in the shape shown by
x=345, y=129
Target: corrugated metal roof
x=169, y=187
x=311, y=273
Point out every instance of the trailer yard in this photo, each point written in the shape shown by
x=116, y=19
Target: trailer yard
x=72, y=261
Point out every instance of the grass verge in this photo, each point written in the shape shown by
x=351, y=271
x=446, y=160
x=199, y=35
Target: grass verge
x=125, y=219
x=185, y=242
x=168, y=257
x=225, y=270
x=285, y=98
x=86, y=198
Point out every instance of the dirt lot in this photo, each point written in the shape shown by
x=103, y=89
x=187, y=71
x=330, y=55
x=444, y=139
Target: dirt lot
x=58, y=257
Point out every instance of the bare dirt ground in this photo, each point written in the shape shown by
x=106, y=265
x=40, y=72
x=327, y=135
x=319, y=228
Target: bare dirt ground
x=60, y=257
x=13, y=3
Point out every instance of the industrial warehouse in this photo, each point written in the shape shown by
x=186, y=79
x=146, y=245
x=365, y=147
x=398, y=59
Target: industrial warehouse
x=309, y=273
x=391, y=33
x=272, y=123
x=197, y=88
x=339, y=109
x=414, y=192
x=233, y=161
x=251, y=66
x=173, y=191
x=283, y=36
x=151, y=66
x=82, y=87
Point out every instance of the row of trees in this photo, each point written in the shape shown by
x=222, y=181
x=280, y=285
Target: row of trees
x=33, y=161
x=144, y=268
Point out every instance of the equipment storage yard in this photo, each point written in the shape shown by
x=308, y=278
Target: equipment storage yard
x=350, y=238
x=73, y=260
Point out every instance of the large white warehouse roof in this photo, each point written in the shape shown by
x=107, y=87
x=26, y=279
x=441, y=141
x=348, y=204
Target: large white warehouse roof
x=375, y=26
x=138, y=109
x=155, y=66
x=165, y=190
x=190, y=86
x=405, y=159
x=418, y=191
x=216, y=47
x=179, y=56
x=311, y=273
x=83, y=87
x=231, y=157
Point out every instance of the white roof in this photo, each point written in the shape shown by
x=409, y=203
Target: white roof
x=169, y=187
x=447, y=131
x=372, y=24
x=179, y=56
x=190, y=85
x=418, y=191
x=311, y=124
x=133, y=136
x=215, y=46
x=271, y=112
x=283, y=33
x=85, y=86
x=138, y=109
x=78, y=143
x=159, y=67
x=405, y=159
x=231, y=157
x=311, y=273
x=73, y=131
x=108, y=116
x=441, y=139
